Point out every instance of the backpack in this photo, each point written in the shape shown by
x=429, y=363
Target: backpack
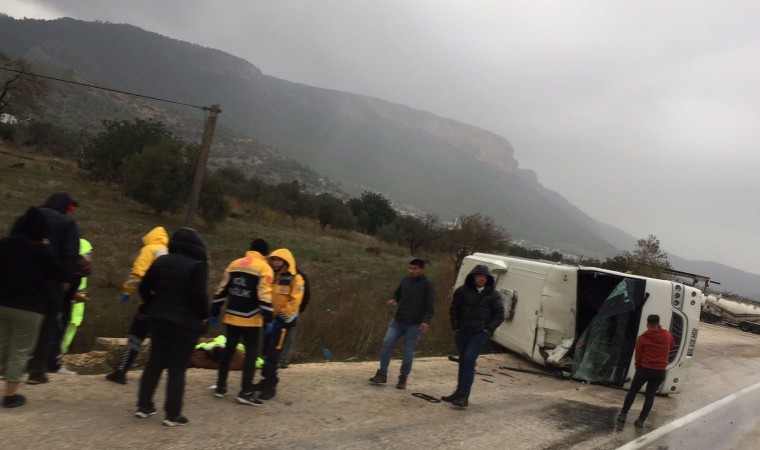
x=306, y=292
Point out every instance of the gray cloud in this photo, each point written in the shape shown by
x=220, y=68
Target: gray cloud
x=644, y=114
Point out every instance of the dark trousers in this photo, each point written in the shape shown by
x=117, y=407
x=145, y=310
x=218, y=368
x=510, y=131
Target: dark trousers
x=653, y=379
x=54, y=356
x=287, y=347
x=46, y=357
x=273, y=344
x=469, y=345
x=171, y=348
x=138, y=331
x=250, y=337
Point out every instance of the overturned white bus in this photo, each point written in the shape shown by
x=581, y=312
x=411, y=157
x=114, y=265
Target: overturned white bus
x=585, y=320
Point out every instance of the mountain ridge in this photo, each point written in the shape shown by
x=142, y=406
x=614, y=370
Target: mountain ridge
x=415, y=158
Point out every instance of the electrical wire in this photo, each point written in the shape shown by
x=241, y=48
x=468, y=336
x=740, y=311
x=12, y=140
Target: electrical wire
x=8, y=69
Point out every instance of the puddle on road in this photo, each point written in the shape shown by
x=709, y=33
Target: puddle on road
x=582, y=421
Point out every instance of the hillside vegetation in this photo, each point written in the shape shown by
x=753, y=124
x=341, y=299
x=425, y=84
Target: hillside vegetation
x=415, y=158
x=350, y=283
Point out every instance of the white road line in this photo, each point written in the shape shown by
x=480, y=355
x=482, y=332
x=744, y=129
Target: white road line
x=678, y=423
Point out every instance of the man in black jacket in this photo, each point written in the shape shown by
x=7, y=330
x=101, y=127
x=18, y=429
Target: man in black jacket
x=64, y=237
x=414, y=300
x=476, y=311
x=174, y=290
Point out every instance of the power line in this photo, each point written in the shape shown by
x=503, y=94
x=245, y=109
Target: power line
x=203, y=108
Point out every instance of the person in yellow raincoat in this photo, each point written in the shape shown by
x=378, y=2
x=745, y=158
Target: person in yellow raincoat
x=246, y=288
x=154, y=246
x=77, y=304
x=287, y=293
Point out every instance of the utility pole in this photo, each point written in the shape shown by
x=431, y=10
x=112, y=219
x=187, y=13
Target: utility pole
x=200, y=169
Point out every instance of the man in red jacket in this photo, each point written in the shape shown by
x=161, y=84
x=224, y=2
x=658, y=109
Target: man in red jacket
x=652, y=352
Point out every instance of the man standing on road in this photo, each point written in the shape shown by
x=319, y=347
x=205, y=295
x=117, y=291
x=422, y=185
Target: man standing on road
x=652, y=353
x=287, y=293
x=64, y=237
x=414, y=300
x=476, y=311
x=247, y=289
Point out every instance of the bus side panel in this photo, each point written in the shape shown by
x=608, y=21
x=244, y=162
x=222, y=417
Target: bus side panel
x=558, y=308
x=528, y=280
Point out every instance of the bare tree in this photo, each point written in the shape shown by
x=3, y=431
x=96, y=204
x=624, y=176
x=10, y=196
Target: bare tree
x=418, y=233
x=474, y=233
x=20, y=93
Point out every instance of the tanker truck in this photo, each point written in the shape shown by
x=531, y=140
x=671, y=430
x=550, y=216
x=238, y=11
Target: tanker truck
x=735, y=312
x=584, y=320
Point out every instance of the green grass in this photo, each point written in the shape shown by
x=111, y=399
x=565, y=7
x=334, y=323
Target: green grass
x=349, y=284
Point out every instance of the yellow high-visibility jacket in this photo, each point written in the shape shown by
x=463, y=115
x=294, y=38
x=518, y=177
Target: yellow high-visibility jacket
x=287, y=289
x=247, y=288
x=155, y=245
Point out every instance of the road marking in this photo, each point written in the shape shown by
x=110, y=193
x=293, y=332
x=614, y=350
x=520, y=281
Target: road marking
x=678, y=423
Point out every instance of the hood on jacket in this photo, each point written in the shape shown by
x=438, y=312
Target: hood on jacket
x=157, y=235
x=284, y=253
x=479, y=269
x=186, y=241
x=32, y=225
x=60, y=201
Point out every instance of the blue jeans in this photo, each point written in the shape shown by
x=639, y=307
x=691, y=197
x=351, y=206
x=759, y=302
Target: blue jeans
x=469, y=345
x=411, y=334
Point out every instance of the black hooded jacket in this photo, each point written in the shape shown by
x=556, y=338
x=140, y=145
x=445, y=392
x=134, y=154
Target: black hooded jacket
x=63, y=233
x=174, y=288
x=477, y=311
x=28, y=271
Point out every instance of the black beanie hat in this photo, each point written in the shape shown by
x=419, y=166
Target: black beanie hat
x=260, y=245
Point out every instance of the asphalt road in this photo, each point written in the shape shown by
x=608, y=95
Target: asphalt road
x=332, y=406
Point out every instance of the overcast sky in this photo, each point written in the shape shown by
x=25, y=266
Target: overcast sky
x=645, y=114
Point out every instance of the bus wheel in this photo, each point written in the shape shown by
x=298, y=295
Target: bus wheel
x=744, y=326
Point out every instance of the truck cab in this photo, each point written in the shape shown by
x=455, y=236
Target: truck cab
x=585, y=320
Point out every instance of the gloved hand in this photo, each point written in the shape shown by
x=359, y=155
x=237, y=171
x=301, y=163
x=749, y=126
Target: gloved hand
x=213, y=321
x=124, y=298
x=268, y=328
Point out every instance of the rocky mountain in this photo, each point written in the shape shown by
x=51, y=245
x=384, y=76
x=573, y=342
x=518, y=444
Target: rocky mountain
x=416, y=158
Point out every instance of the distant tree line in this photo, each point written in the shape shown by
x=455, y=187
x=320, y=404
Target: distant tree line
x=154, y=167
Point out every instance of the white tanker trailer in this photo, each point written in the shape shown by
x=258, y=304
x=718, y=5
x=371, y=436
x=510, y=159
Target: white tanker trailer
x=732, y=311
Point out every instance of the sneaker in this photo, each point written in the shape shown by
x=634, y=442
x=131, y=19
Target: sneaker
x=268, y=393
x=379, y=378
x=639, y=423
x=14, y=401
x=65, y=371
x=401, y=382
x=37, y=378
x=178, y=421
x=248, y=398
x=461, y=401
x=145, y=412
x=117, y=377
x=451, y=397
x=220, y=392
x=621, y=417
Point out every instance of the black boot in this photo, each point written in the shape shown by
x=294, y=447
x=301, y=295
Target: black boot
x=462, y=401
x=451, y=397
x=269, y=392
x=401, y=382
